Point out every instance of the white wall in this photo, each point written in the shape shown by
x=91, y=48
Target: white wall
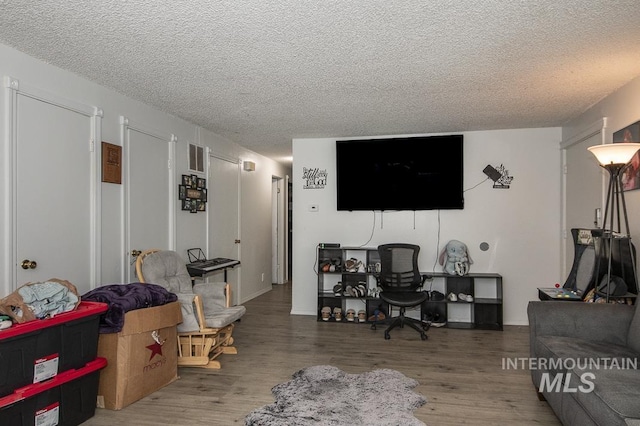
x=521, y=224
x=621, y=109
x=255, y=199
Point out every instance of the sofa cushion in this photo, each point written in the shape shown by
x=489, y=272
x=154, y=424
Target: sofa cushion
x=633, y=339
x=579, y=350
x=615, y=396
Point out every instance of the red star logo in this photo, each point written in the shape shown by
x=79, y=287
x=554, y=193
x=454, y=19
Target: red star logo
x=156, y=348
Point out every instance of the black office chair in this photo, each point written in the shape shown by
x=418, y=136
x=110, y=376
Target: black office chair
x=401, y=281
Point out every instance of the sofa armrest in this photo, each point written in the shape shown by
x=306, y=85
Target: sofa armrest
x=596, y=322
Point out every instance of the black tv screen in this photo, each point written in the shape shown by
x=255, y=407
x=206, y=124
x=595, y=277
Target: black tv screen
x=413, y=173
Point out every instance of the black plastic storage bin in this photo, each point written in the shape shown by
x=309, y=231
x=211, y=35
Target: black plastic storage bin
x=38, y=350
x=65, y=400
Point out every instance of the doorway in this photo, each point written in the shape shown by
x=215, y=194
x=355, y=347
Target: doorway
x=149, y=192
x=224, y=220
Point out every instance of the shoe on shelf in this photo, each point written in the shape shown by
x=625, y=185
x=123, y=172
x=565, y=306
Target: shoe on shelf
x=337, y=313
x=337, y=289
x=436, y=296
x=434, y=319
x=326, y=313
x=452, y=297
x=440, y=322
x=351, y=315
x=377, y=316
x=362, y=316
x=465, y=297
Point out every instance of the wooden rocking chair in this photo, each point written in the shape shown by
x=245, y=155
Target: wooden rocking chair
x=201, y=348
x=208, y=317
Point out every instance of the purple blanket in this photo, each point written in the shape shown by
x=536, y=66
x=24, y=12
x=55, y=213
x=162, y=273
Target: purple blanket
x=123, y=298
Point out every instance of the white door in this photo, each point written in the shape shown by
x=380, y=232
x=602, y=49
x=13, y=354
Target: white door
x=222, y=204
x=53, y=235
x=584, y=190
x=150, y=193
x=275, y=241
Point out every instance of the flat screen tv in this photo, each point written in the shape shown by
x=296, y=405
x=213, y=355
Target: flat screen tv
x=412, y=173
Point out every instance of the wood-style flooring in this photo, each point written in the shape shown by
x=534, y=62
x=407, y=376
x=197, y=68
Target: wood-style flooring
x=460, y=371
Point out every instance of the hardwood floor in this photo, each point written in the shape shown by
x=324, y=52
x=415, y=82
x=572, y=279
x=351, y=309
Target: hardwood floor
x=459, y=371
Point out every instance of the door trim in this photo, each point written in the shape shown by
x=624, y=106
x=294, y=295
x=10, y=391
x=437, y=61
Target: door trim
x=15, y=88
x=126, y=126
x=599, y=127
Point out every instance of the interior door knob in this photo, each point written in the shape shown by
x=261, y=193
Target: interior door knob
x=135, y=253
x=28, y=264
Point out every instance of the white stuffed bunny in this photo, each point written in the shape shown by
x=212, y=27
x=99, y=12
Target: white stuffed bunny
x=455, y=258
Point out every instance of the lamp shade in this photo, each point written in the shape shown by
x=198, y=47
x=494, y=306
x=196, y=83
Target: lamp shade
x=614, y=153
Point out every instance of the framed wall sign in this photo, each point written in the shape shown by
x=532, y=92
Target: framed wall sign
x=111, y=163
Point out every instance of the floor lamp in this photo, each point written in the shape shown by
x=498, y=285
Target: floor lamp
x=614, y=159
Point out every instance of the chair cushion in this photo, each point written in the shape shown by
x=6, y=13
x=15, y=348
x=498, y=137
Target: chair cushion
x=225, y=316
x=213, y=296
x=168, y=269
x=404, y=299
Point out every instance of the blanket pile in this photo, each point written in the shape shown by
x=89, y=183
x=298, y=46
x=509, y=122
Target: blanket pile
x=123, y=298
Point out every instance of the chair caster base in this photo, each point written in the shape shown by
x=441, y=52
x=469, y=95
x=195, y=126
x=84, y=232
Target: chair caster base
x=387, y=336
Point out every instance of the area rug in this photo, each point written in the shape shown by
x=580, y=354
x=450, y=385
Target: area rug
x=326, y=395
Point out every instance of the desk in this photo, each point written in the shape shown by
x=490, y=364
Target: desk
x=553, y=293
x=203, y=268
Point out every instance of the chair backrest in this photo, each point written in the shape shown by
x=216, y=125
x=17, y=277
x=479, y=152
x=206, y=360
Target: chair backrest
x=165, y=268
x=582, y=276
x=399, y=267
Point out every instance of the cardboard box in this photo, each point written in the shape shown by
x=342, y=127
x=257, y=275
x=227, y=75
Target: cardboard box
x=142, y=358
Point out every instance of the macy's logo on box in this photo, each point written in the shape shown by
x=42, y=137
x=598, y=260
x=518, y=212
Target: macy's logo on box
x=156, y=349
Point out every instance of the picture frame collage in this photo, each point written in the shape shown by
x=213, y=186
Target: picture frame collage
x=192, y=193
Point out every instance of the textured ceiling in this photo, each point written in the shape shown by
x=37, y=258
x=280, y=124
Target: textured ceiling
x=264, y=72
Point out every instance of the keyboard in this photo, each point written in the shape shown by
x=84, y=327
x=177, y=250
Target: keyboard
x=213, y=264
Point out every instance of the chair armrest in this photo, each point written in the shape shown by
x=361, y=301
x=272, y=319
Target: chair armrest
x=596, y=322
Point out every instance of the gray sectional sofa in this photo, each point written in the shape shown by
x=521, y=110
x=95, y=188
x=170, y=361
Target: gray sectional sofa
x=584, y=361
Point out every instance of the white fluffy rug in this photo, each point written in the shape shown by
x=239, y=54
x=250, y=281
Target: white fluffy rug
x=326, y=395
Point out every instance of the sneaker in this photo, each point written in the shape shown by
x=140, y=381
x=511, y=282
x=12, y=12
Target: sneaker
x=452, y=297
x=337, y=313
x=362, y=316
x=465, y=297
x=439, y=323
x=326, y=313
x=377, y=316
x=436, y=296
x=351, y=315
x=337, y=289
